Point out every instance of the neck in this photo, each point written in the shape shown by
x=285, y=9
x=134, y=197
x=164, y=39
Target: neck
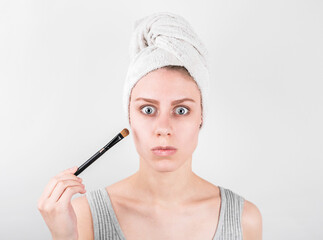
x=165, y=188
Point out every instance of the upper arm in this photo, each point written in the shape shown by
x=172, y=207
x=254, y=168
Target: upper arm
x=84, y=218
x=251, y=222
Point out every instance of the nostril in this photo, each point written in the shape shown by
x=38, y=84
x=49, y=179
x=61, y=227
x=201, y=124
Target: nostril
x=165, y=132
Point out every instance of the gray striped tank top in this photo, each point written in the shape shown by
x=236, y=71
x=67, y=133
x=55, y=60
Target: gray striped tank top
x=107, y=227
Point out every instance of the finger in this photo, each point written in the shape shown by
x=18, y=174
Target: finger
x=66, y=174
x=70, y=191
x=71, y=170
x=60, y=188
x=53, y=183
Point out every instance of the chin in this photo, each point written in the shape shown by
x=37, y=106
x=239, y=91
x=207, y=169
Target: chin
x=165, y=165
x=165, y=169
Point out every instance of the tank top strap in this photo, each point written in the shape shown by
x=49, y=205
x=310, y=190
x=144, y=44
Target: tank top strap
x=230, y=216
x=105, y=223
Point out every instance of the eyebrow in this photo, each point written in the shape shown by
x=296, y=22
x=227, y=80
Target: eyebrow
x=173, y=102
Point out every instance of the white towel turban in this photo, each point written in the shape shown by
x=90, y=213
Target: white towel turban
x=163, y=39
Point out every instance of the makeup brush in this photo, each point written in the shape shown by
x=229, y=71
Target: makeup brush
x=116, y=139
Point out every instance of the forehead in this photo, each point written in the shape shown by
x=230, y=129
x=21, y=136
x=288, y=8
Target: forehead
x=166, y=84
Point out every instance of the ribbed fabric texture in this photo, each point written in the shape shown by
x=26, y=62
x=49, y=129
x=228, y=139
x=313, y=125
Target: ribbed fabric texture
x=107, y=227
x=229, y=226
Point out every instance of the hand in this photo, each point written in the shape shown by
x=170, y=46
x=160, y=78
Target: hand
x=55, y=204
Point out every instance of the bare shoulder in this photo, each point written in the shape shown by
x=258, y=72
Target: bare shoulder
x=251, y=222
x=84, y=218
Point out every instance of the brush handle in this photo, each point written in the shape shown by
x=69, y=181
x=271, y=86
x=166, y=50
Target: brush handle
x=115, y=140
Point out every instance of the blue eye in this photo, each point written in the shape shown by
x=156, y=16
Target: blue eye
x=181, y=110
x=147, y=110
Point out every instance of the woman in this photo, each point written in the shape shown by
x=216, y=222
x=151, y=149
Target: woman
x=165, y=99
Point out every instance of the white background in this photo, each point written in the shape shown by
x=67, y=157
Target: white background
x=62, y=68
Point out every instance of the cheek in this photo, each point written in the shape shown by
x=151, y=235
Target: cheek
x=188, y=134
x=141, y=135
x=138, y=122
x=138, y=141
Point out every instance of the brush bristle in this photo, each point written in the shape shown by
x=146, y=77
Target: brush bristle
x=125, y=132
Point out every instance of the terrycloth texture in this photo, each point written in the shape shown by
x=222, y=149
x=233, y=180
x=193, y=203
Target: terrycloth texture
x=163, y=39
x=107, y=227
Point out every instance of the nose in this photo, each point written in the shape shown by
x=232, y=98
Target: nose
x=163, y=125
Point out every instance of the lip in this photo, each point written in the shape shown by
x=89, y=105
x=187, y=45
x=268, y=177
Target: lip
x=164, y=151
x=164, y=148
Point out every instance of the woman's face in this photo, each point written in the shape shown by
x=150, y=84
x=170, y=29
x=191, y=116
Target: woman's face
x=159, y=117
